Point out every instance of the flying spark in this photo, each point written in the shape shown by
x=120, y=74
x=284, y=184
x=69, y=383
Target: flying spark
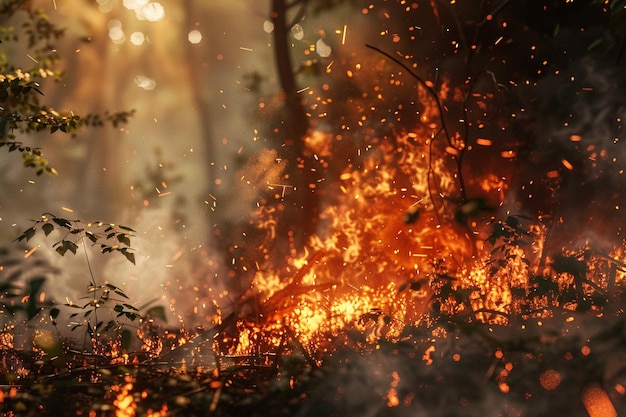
x=283, y=186
x=567, y=164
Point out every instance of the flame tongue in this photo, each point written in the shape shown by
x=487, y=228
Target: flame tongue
x=383, y=230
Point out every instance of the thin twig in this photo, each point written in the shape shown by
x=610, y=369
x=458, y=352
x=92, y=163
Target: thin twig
x=429, y=89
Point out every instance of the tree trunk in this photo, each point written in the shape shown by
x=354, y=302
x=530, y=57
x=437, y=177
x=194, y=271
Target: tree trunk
x=301, y=207
x=296, y=124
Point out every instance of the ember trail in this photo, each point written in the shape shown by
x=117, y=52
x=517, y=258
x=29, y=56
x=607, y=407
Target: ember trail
x=421, y=214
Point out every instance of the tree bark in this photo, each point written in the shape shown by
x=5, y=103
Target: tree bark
x=299, y=218
x=297, y=124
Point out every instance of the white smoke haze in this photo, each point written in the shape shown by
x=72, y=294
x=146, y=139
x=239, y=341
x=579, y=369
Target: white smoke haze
x=100, y=167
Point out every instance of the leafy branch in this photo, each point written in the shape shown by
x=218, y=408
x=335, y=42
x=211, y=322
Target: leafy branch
x=20, y=109
x=100, y=296
x=32, y=157
x=109, y=237
x=121, y=313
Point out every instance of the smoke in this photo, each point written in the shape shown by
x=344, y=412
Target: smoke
x=399, y=382
x=260, y=174
x=572, y=169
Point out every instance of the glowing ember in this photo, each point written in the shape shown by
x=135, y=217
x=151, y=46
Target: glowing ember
x=597, y=402
x=550, y=379
x=124, y=402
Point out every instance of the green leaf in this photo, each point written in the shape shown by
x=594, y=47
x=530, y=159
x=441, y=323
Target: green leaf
x=54, y=313
x=130, y=256
x=62, y=222
x=28, y=234
x=91, y=236
x=47, y=228
x=71, y=246
x=121, y=294
x=124, y=238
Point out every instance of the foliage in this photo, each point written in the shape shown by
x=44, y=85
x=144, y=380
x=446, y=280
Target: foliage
x=22, y=111
x=109, y=237
x=21, y=108
x=20, y=87
x=105, y=334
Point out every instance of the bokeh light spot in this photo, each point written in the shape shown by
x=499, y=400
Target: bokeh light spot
x=145, y=82
x=137, y=38
x=116, y=33
x=134, y=4
x=268, y=27
x=550, y=379
x=297, y=32
x=323, y=49
x=195, y=36
x=153, y=12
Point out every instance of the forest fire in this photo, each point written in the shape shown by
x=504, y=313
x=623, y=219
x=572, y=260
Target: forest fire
x=353, y=271
x=397, y=223
x=397, y=234
x=421, y=217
